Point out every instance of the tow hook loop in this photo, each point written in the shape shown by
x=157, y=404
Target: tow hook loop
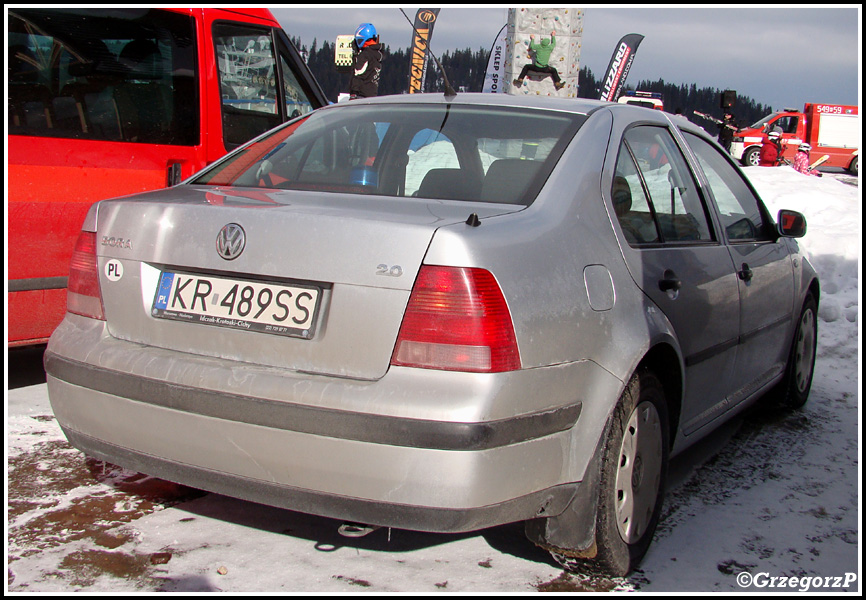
x=356, y=530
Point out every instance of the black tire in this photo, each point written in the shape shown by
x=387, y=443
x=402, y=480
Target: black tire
x=794, y=388
x=854, y=166
x=633, y=477
x=751, y=157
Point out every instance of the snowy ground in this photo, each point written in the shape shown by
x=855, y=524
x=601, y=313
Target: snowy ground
x=773, y=495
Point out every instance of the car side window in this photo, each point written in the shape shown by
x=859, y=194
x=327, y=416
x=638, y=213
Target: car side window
x=248, y=81
x=743, y=218
x=786, y=124
x=297, y=102
x=630, y=202
x=668, y=187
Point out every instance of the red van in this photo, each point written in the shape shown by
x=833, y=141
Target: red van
x=113, y=101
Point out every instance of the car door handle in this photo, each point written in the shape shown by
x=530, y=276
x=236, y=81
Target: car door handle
x=670, y=282
x=745, y=273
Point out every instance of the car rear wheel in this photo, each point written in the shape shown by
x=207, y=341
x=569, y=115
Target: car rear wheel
x=634, y=471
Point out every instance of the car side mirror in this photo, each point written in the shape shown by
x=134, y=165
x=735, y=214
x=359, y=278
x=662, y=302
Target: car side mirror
x=791, y=224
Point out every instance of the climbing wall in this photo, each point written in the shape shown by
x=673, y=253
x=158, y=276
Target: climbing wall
x=567, y=23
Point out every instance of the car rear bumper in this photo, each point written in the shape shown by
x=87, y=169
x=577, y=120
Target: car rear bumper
x=304, y=442
x=357, y=510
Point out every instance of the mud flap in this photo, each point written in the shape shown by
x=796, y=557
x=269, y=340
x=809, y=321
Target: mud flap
x=572, y=532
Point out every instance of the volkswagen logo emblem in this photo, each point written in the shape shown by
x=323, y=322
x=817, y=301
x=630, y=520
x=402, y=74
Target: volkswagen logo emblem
x=230, y=241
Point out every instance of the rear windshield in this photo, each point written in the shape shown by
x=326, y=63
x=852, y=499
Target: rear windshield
x=450, y=152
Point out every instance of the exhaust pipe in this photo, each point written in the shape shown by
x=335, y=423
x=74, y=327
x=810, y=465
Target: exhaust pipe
x=356, y=530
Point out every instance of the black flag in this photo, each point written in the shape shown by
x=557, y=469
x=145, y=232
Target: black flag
x=619, y=66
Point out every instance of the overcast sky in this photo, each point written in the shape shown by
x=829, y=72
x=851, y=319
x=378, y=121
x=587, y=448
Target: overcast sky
x=783, y=56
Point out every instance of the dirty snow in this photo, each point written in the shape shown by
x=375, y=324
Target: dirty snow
x=772, y=495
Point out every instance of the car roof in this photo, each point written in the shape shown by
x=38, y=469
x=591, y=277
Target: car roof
x=582, y=106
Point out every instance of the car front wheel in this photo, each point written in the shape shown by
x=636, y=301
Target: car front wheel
x=801, y=361
x=632, y=480
x=752, y=157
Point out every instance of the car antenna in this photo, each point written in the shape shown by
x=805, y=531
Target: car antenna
x=449, y=91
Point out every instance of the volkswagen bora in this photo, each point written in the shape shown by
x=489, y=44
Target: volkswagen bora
x=439, y=314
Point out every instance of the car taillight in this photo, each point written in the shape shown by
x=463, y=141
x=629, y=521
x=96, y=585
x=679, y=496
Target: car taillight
x=82, y=293
x=457, y=320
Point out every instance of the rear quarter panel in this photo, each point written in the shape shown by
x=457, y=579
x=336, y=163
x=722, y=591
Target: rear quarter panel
x=571, y=297
x=562, y=311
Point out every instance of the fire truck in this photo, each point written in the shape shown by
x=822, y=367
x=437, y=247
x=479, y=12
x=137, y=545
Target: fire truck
x=831, y=129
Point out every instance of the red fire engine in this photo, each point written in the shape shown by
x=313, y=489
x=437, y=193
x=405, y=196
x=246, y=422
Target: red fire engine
x=830, y=129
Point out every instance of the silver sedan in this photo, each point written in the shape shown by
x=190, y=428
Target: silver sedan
x=439, y=314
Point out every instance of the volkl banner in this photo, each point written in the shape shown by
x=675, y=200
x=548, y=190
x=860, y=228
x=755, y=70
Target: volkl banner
x=425, y=18
x=620, y=64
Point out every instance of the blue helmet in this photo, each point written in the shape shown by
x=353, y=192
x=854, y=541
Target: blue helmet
x=364, y=33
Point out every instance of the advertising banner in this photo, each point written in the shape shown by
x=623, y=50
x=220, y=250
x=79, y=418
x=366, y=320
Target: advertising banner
x=494, y=78
x=620, y=64
x=343, y=53
x=425, y=18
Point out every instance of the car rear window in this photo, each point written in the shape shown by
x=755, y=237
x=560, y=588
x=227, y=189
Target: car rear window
x=450, y=152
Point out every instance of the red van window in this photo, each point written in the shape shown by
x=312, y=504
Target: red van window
x=248, y=72
x=246, y=66
x=124, y=76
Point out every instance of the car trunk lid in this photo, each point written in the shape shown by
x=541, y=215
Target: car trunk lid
x=343, y=267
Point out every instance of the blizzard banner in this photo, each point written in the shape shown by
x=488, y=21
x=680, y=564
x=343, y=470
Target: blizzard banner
x=425, y=18
x=619, y=66
x=493, y=79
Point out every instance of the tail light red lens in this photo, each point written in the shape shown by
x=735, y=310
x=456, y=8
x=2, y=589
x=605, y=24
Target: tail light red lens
x=457, y=320
x=83, y=296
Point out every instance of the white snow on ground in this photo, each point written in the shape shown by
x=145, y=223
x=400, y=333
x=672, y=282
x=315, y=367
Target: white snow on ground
x=774, y=495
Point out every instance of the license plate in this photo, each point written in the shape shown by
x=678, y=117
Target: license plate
x=237, y=304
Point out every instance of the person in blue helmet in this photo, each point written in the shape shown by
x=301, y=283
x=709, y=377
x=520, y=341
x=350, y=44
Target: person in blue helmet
x=367, y=65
